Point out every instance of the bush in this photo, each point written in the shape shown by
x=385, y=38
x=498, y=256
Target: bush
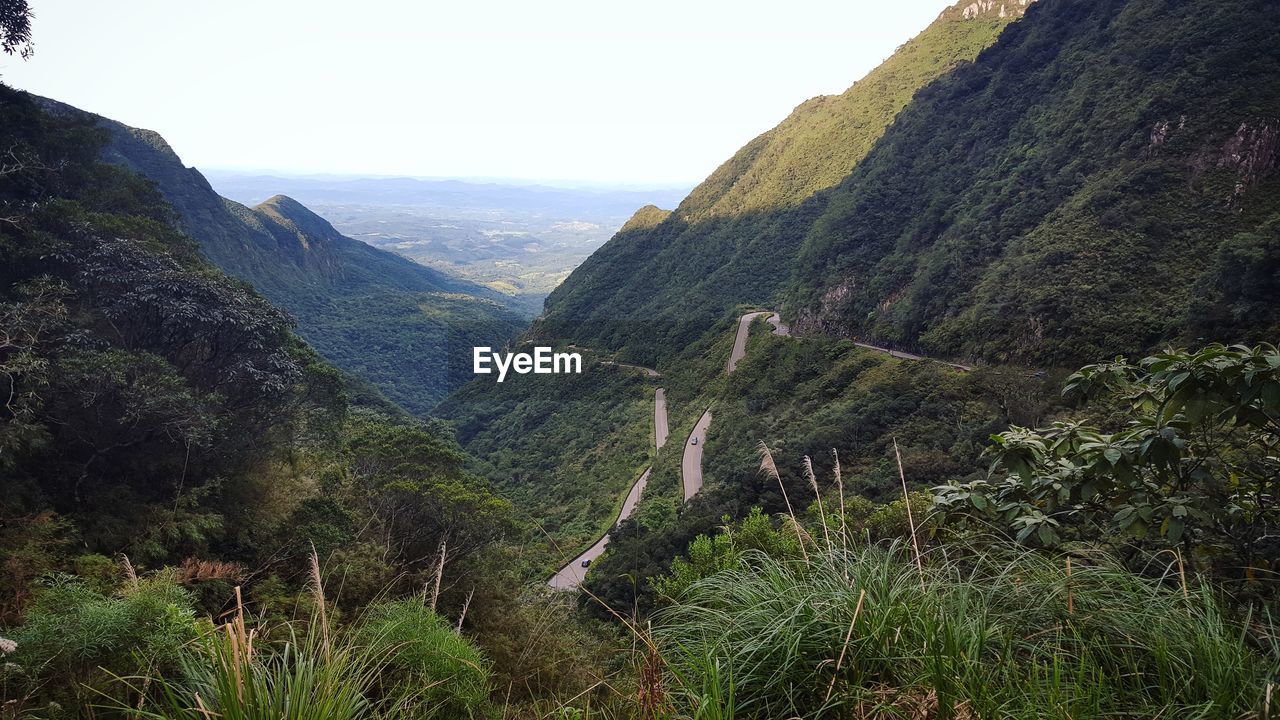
x=1004, y=633
x=431, y=671
x=75, y=639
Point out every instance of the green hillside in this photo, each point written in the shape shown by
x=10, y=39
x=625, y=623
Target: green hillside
x=1089, y=184
x=173, y=459
x=562, y=448
x=732, y=239
x=201, y=516
x=404, y=327
x=1102, y=180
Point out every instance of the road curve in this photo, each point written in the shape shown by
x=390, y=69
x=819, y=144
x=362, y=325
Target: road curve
x=908, y=356
x=647, y=371
x=744, y=328
x=571, y=575
x=691, y=463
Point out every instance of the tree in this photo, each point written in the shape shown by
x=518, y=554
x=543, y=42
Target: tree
x=15, y=28
x=1194, y=467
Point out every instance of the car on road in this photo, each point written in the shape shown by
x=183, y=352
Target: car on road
x=585, y=563
x=693, y=441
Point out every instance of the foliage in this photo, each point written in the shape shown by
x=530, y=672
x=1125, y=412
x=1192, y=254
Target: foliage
x=430, y=671
x=235, y=675
x=404, y=327
x=138, y=378
x=655, y=288
x=75, y=639
x=709, y=555
x=562, y=448
x=1037, y=205
x=418, y=494
x=1193, y=467
x=15, y=28
x=155, y=406
x=1040, y=205
x=1001, y=633
x=805, y=397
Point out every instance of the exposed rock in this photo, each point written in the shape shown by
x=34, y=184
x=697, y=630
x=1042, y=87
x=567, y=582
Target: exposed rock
x=1252, y=152
x=990, y=8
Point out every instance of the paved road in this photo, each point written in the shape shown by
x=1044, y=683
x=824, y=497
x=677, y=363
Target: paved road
x=571, y=575
x=647, y=371
x=744, y=328
x=691, y=464
x=908, y=356
x=659, y=418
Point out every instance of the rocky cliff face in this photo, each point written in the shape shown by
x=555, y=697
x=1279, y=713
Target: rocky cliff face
x=1000, y=9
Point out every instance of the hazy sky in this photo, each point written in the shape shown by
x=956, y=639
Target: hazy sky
x=660, y=91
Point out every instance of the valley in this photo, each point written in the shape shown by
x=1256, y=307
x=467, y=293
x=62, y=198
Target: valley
x=954, y=395
x=518, y=240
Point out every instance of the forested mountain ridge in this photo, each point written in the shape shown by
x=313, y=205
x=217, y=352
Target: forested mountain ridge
x=406, y=328
x=1041, y=204
x=826, y=136
x=731, y=240
x=168, y=445
x=1101, y=180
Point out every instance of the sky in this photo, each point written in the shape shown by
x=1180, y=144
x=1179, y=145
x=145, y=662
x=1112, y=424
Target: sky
x=658, y=92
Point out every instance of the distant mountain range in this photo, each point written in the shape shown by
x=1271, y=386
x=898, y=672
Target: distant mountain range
x=407, y=328
x=566, y=203
x=519, y=239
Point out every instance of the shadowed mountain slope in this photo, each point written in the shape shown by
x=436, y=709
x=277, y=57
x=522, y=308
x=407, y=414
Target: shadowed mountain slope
x=407, y=328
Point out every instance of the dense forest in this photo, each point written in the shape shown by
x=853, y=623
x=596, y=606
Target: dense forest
x=167, y=440
x=562, y=448
x=1059, y=228
x=663, y=280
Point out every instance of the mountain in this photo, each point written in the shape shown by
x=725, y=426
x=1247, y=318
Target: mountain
x=586, y=203
x=163, y=431
x=1092, y=179
x=731, y=240
x=520, y=240
x=1102, y=180
x=406, y=328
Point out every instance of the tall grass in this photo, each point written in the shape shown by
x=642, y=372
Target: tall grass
x=232, y=676
x=398, y=661
x=985, y=634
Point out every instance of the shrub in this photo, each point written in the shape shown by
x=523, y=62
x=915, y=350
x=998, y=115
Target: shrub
x=76, y=638
x=1000, y=633
x=431, y=671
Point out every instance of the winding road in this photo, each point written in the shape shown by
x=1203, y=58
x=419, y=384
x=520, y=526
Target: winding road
x=659, y=418
x=691, y=463
x=570, y=576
